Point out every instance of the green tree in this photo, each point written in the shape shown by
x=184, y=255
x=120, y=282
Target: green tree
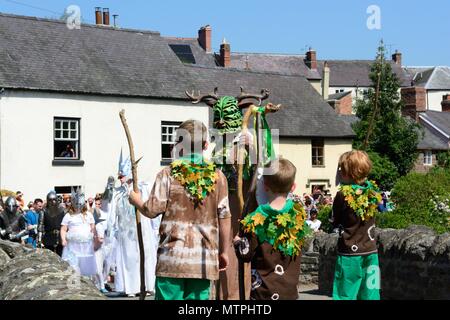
x=443, y=159
x=420, y=199
x=383, y=171
x=381, y=123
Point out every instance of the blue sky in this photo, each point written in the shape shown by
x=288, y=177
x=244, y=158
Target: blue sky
x=336, y=29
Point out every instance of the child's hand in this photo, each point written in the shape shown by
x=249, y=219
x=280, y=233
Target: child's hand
x=245, y=139
x=64, y=242
x=223, y=262
x=134, y=198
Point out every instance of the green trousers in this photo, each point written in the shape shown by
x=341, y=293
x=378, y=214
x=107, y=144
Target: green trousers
x=357, y=278
x=181, y=289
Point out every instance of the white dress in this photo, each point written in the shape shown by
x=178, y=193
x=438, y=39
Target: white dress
x=121, y=246
x=79, y=252
x=150, y=235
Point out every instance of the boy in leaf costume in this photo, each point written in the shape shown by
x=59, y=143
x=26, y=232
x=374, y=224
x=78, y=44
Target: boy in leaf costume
x=274, y=234
x=192, y=196
x=357, y=273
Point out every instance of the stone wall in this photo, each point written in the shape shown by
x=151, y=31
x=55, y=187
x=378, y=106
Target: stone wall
x=414, y=263
x=309, y=264
x=29, y=274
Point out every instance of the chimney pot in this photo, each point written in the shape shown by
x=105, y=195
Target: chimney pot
x=225, y=55
x=311, y=59
x=204, y=38
x=98, y=16
x=397, y=57
x=325, y=81
x=106, y=16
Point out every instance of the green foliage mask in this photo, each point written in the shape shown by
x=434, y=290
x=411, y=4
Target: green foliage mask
x=227, y=115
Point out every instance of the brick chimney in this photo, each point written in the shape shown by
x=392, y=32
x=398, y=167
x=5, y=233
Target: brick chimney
x=204, y=38
x=446, y=103
x=397, y=57
x=343, y=106
x=325, y=81
x=311, y=59
x=225, y=54
x=98, y=16
x=106, y=16
x=414, y=99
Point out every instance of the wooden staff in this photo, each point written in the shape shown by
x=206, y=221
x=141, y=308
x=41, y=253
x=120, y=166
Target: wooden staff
x=138, y=216
x=241, y=159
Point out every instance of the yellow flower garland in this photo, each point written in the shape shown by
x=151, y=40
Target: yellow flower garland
x=363, y=199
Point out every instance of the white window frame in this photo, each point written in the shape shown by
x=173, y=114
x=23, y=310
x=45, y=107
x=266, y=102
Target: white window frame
x=428, y=158
x=315, y=149
x=75, y=141
x=168, y=135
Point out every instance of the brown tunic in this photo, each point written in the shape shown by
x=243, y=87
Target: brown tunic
x=189, y=243
x=274, y=275
x=356, y=237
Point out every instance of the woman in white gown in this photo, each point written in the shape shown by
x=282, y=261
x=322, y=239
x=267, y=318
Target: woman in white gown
x=77, y=235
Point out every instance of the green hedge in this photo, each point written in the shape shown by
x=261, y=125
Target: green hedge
x=420, y=199
x=324, y=216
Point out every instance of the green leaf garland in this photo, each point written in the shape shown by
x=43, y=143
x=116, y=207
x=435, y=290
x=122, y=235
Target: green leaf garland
x=284, y=229
x=363, y=199
x=197, y=177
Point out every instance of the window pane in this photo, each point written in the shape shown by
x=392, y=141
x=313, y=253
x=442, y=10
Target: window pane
x=164, y=138
x=165, y=151
x=66, y=144
x=164, y=129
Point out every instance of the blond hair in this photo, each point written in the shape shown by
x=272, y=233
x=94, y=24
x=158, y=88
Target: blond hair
x=195, y=130
x=356, y=165
x=282, y=180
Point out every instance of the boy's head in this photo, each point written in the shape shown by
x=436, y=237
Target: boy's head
x=283, y=180
x=192, y=134
x=355, y=166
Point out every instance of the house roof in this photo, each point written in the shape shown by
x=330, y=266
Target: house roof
x=436, y=130
x=274, y=63
x=432, y=141
x=430, y=78
x=42, y=54
x=201, y=56
x=339, y=95
x=355, y=73
x=441, y=120
x=349, y=119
